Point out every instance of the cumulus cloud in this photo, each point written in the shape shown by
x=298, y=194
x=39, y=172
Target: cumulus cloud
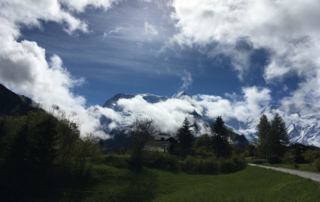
x=150, y=29
x=186, y=78
x=23, y=64
x=169, y=114
x=289, y=31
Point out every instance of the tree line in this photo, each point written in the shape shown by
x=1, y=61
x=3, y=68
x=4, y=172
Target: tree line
x=217, y=145
x=39, y=153
x=272, y=137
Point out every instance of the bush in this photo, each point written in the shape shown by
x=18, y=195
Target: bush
x=274, y=159
x=228, y=166
x=160, y=160
x=200, y=166
x=239, y=161
x=299, y=159
x=288, y=158
x=113, y=160
x=317, y=164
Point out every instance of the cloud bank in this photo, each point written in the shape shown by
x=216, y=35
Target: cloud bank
x=169, y=114
x=287, y=30
x=24, y=66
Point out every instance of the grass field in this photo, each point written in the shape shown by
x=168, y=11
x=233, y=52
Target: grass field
x=251, y=184
x=302, y=167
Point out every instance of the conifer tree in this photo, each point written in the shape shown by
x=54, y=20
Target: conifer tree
x=185, y=137
x=262, y=140
x=278, y=136
x=220, y=143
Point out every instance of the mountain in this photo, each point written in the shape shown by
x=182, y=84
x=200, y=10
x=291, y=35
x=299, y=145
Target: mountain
x=112, y=103
x=180, y=95
x=199, y=124
x=14, y=104
x=302, y=119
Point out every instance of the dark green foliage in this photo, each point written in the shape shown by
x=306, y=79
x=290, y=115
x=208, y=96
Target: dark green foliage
x=317, y=164
x=227, y=166
x=17, y=155
x=43, y=153
x=278, y=137
x=309, y=156
x=141, y=133
x=219, y=128
x=122, y=150
x=252, y=150
x=160, y=160
x=220, y=143
x=272, y=139
x=274, y=159
x=212, y=165
x=203, y=146
x=185, y=137
x=262, y=140
x=203, y=141
x=221, y=146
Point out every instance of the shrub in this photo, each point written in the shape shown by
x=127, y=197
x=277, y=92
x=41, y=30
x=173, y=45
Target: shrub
x=211, y=167
x=239, y=161
x=299, y=159
x=316, y=154
x=227, y=166
x=160, y=160
x=288, y=158
x=308, y=156
x=115, y=161
x=274, y=159
x=317, y=164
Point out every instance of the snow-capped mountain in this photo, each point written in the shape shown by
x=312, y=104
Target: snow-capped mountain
x=302, y=120
x=112, y=103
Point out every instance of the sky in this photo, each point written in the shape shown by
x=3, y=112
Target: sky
x=79, y=53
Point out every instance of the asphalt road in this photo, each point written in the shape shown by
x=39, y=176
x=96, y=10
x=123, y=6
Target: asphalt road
x=304, y=174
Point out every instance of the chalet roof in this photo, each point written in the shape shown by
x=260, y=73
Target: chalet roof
x=162, y=137
x=157, y=145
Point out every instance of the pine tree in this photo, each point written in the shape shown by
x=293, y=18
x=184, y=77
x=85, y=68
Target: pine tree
x=220, y=143
x=185, y=137
x=262, y=140
x=278, y=136
x=218, y=127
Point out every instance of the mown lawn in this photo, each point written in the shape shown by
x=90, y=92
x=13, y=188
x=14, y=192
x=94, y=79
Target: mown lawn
x=302, y=167
x=251, y=184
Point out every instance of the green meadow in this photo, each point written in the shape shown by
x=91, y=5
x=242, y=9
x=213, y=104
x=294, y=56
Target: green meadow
x=109, y=183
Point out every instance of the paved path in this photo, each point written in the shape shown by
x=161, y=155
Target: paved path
x=304, y=174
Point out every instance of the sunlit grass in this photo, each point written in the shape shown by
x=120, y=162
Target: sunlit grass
x=250, y=184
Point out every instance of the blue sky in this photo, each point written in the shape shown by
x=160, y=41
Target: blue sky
x=128, y=60
x=77, y=54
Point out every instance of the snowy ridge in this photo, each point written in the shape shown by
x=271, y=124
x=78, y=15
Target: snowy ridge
x=302, y=119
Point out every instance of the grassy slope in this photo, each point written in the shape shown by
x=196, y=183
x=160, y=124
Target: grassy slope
x=251, y=184
x=302, y=167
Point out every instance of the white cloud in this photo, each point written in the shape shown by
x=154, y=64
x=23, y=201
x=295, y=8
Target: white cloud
x=288, y=30
x=186, y=78
x=150, y=29
x=23, y=64
x=170, y=114
x=116, y=30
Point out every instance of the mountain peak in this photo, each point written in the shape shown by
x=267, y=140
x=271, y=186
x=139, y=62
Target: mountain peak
x=179, y=95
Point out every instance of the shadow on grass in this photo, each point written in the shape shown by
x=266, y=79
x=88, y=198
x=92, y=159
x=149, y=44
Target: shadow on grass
x=259, y=162
x=142, y=186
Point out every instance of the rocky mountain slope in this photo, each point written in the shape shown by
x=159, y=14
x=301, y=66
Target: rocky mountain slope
x=14, y=104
